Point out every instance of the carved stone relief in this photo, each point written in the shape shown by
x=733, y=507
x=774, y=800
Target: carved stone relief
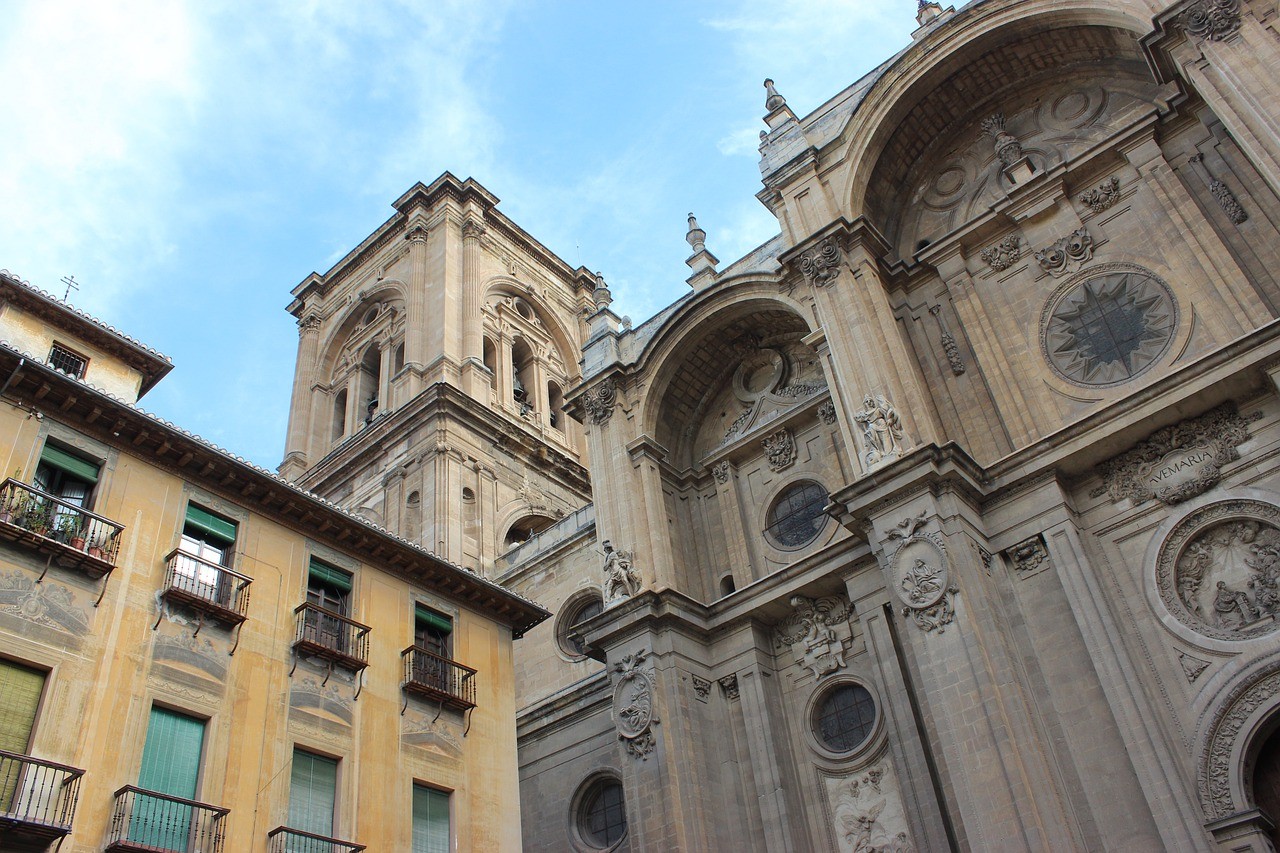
x=949, y=346
x=599, y=402
x=729, y=686
x=721, y=472
x=1103, y=196
x=1066, y=255
x=1192, y=667
x=1212, y=20
x=881, y=429
x=827, y=412
x=1004, y=254
x=867, y=812
x=1007, y=146
x=1219, y=570
x=920, y=576
x=1221, y=193
x=1177, y=462
x=816, y=633
x=1109, y=326
x=620, y=579
x=1029, y=557
x=1217, y=760
x=633, y=705
x=701, y=688
x=780, y=450
x=46, y=603
x=821, y=265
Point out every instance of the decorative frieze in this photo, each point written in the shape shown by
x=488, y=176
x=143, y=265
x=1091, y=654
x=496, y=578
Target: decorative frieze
x=1103, y=196
x=620, y=578
x=1211, y=20
x=920, y=576
x=1004, y=254
x=633, y=704
x=1066, y=255
x=599, y=402
x=779, y=449
x=814, y=632
x=881, y=429
x=1177, y=462
x=821, y=264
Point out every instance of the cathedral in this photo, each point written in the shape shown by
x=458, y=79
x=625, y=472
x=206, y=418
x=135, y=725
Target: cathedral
x=946, y=519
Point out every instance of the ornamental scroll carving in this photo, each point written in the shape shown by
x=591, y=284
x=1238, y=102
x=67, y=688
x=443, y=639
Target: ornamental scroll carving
x=780, y=449
x=633, y=705
x=921, y=577
x=1176, y=462
x=599, y=402
x=1029, y=557
x=816, y=632
x=1218, y=571
x=721, y=472
x=821, y=265
x=620, y=578
x=1066, y=255
x=1212, y=20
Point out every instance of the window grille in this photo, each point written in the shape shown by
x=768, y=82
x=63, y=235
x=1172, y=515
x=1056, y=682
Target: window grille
x=68, y=362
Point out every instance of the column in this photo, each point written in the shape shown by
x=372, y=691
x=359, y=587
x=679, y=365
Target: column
x=302, y=415
x=416, y=303
x=472, y=324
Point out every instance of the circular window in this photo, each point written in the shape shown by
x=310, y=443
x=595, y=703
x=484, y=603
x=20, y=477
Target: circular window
x=578, y=610
x=1109, y=328
x=844, y=717
x=796, y=517
x=602, y=815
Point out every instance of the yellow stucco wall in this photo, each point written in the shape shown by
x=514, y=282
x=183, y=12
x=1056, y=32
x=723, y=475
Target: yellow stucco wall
x=32, y=335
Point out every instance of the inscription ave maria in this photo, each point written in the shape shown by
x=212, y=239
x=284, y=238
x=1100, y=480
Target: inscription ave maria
x=1182, y=473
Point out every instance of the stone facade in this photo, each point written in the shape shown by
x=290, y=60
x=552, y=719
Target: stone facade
x=946, y=519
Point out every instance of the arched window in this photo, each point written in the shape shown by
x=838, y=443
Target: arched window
x=340, y=414
x=522, y=376
x=370, y=382
x=577, y=610
x=491, y=359
x=555, y=401
x=526, y=528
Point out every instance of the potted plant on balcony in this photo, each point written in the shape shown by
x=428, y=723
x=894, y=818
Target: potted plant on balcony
x=37, y=516
x=70, y=529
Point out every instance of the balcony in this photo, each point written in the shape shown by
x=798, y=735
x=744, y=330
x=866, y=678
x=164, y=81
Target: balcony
x=438, y=679
x=211, y=589
x=147, y=822
x=71, y=535
x=37, y=799
x=324, y=634
x=285, y=840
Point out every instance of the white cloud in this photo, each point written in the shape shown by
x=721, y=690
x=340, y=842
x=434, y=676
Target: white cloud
x=743, y=141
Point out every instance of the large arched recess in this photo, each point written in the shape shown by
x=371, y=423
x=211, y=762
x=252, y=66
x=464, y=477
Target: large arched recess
x=695, y=352
x=389, y=290
x=564, y=342
x=984, y=48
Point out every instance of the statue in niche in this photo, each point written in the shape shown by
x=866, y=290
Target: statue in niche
x=881, y=427
x=620, y=579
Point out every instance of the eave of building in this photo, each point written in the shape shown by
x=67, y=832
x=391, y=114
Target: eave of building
x=442, y=400
x=152, y=364
x=141, y=434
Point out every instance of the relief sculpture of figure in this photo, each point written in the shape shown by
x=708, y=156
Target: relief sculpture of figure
x=881, y=427
x=1231, y=608
x=620, y=580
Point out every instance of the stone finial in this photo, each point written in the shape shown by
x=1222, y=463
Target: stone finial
x=927, y=12
x=1008, y=148
x=696, y=237
x=601, y=294
x=772, y=100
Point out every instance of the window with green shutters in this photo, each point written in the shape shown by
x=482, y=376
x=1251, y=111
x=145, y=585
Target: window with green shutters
x=66, y=475
x=430, y=820
x=170, y=765
x=209, y=538
x=20, y=689
x=313, y=789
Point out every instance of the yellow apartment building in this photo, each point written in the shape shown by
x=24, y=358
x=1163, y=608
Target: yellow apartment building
x=196, y=655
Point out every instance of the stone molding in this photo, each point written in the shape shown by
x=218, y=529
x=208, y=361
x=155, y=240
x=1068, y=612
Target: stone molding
x=1217, y=762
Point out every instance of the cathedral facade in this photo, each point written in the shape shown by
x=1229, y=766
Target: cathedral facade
x=948, y=518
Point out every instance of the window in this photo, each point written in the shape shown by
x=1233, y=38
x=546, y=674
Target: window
x=20, y=689
x=313, y=790
x=208, y=541
x=601, y=819
x=796, y=517
x=432, y=631
x=66, y=475
x=171, y=766
x=430, y=820
x=71, y=363
x=578, y=610
x=844, y=716
x=329, y=590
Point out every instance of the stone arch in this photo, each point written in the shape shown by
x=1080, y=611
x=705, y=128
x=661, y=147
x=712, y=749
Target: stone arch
x=564, y=342
x=999, y=44
x=1246, y=713
x=389, y=292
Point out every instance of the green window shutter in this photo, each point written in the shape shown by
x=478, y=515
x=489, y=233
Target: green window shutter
x=428, y=617
x=329, y=576
x=20, y=690
x=170, y=765
x=210, y=524
x=313, y=787
x=72, y=464
x=430, y=820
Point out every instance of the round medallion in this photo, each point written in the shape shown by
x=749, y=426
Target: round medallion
x=1218, y=572
x=919, y=569
x=759, y=373
x=1108, y=326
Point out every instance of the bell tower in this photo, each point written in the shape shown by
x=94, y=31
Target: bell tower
x=433, y=361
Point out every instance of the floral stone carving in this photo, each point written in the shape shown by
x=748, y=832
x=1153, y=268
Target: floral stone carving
x=827, y=412
x=779, y=449
x=1004, y=254
x=1007, y=146
x=1212, y=20
x=821, y=265
x=1219, y=570
x=881, y=429
x=1177, y=462
x=633, y=705
x=920, y=576
x=599, y=402
x=620, y=578
x=813, y=633
x=721, y=472
x=1066, y=255
x=1029, y=556
x=868, y=813
x=1228, y=202
x=1102, y=196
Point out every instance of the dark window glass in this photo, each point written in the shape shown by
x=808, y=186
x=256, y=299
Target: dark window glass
x=67, y=361
x=604, y=818
x=796, y=517
x=577, y=613
x=844, y=717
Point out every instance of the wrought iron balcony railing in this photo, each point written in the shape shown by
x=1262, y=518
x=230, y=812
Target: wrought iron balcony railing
x=332, y=636
x=208, y=587
x=73, y=535
x=37, y=798
x=146, y=822
x=438, y=678
x=285, y=840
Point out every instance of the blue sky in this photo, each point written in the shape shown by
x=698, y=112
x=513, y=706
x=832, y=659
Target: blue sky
x=191, y=162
